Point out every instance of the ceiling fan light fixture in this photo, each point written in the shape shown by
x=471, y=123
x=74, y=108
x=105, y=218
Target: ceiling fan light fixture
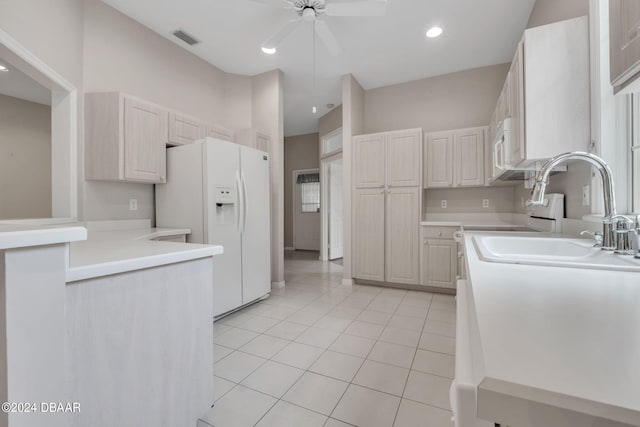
x=268, y=50
x=434, y=32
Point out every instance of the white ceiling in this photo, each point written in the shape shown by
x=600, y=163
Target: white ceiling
x=18, y=85
x=378, y=51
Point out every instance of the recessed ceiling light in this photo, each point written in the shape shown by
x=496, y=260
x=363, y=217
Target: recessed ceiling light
x=434, y=32
x=3, y=68
x=269, y=50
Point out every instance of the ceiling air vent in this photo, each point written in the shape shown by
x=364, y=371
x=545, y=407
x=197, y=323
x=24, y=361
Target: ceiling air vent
x=185, y=37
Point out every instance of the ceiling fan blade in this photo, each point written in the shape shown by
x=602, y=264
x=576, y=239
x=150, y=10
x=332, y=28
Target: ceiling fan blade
x=326, y=36
x=283, y=3
x=357, y=8
x=277, y=38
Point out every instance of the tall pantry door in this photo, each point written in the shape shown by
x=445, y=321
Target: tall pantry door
x=222, y=165
x=256, y=229
x=368, y=262
x=402, y=240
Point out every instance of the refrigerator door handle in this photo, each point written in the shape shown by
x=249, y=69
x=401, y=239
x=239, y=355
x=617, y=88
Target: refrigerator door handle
x=238, y=202
x=245, y=201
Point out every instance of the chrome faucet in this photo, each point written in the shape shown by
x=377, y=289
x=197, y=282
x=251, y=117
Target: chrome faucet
x=610, y=217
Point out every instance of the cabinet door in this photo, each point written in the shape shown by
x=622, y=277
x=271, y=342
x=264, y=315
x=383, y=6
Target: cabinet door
x=439, y=160
x=624, y=40
x=439, y=263
x=469, y=155
x=515, y=153
x=145, y=133
x=404, y=154
x=402, y=236
x=263, y=142
x=217, y=131
x=368, y=246
x=184, y=130
x=369, y=161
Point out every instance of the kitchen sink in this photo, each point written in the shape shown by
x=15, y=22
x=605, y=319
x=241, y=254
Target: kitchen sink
x=552, y=251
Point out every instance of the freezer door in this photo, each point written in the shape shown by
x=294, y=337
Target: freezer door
x=256, y=225
x=222, y=226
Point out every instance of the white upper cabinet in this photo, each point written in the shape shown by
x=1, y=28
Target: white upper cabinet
x=184, y=129
x=125, y=139
x=369, y=161
x=455, y=158
x=550, y=92
x=253, y=139
x=438, y=169
x=403, y=158
x=624, y=41
x=469, y=157
x=220, y=132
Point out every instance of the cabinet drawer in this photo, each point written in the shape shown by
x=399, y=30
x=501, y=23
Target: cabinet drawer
x=434, y=232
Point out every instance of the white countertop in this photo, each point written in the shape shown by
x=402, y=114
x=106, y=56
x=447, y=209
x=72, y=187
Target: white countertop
x=565, y=337
x=24, y=235
x=471, y=220
x=118, y=251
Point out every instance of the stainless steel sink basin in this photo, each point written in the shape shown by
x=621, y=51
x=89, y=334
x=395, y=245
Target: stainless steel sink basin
x=552, y=251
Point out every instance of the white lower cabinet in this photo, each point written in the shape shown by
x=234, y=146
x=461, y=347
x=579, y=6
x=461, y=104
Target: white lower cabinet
x=386, y=245
x=439, y=257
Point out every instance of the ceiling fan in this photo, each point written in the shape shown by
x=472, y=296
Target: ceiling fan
x=312, y=10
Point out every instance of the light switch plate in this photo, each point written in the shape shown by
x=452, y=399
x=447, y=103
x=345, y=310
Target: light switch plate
x=133, y=204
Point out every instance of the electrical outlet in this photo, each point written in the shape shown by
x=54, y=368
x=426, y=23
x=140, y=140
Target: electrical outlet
x=485, y=203
x=443, y=204
x=586, y=195
x=133, y=204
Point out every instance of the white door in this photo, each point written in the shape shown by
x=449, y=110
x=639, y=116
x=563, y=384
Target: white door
x=336, y=236
x=306, y=212
x=255, y=224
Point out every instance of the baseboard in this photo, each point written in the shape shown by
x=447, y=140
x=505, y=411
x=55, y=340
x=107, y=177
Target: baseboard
x=407, y=287
x=289, y=248
x=347, y=282
x=277, y=285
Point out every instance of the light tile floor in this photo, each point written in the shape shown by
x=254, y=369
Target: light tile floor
x=317, y=353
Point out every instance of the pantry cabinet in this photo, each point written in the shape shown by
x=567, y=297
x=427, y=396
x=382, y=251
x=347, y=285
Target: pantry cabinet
x=624, y=41
x=125, y=139
x=387, y=172
x=455, y=158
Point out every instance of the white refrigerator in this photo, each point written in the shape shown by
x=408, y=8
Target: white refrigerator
x=220, y=190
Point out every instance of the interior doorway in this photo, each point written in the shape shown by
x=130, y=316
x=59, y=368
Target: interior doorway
x=331, y=206
x=306, y=209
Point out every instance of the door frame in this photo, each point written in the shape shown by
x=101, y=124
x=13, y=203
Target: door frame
x=324, y=202
x=294, y=178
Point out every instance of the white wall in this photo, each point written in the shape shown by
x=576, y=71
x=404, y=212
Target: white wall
x=451, y=101
x=300, y=152
x=25, y=163
x=122, y=55
x=330, y=121
x=353, y=119
x=268, y=116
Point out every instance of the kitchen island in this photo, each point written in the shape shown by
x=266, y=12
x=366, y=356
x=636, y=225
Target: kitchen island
x=553, y=346
x=119, y=324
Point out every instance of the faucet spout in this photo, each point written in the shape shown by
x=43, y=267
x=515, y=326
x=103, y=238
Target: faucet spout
x=609, y=221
